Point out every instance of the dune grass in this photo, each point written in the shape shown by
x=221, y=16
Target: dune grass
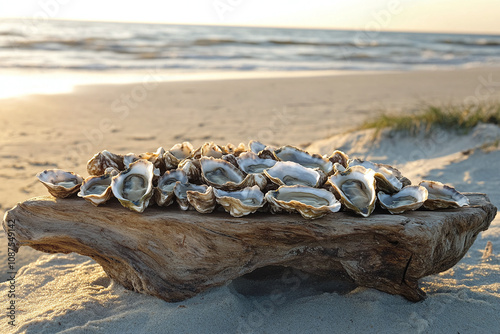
x=428, y=117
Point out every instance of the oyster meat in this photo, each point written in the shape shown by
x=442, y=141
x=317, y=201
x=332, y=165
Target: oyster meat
x=309, y=202
x=134, y=186
x=59, y=183
x=356, y=188
x=409, y=198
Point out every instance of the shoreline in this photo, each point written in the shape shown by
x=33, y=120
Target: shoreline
x=20, y=83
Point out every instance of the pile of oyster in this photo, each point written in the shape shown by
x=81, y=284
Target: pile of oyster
x=248, y=178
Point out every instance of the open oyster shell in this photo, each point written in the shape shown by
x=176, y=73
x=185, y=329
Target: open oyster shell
x=60, y=184
x=201, y=197
x=98, y=164
x=389, y=179
x=442, y=196
x=356, y=188
x=290, y=173
x=176, y=154
x=223, y=175
x=134, y=186
x=164, y=191
x=309, y=202
x=241, y=202
x=251, y=163
x=409, y=198
x=313, y=161
x=97, y=189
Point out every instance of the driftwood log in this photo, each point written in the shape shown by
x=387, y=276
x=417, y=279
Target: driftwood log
x=174, y=254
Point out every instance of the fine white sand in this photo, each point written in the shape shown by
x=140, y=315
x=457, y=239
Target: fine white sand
x=70, y=293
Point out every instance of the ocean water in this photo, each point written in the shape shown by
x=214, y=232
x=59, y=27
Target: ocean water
x=98, y=46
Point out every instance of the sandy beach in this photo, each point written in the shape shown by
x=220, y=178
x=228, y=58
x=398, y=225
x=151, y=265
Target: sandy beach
x=71, y=293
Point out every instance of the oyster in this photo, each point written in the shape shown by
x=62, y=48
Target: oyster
x=388, y=178
x=234, y=150
x=98, y=164
x=60, y=183
x=409, y=198
x=251, y=163
x=356, y=188
x=97, y=189
x=241, y=202
x=192, y=168
x=256, y=146
x=176, y=154
x=223, y=175
x=154, y=157
x=340, y=158
x=442, y=196
x=164, y=192
x=263, y=151
x=290, y=173
x=309, y=202
x=134, y=186
x=201, y=197
x=290, y=153
x=209, y=149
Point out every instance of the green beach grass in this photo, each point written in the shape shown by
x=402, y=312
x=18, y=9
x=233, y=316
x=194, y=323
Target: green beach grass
x=430, y=117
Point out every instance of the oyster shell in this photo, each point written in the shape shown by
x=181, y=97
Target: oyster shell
x=164, y=192
x=60, y=184
x=133, y=187
x=251, y=163
x=442, y=196
x=388, y=178
x=256, y=146
x=209, y=149
x=263, y=151
x=356, y=188
x=156, y=158
x=340, y=158
x=409, y=198
x=241, y=202
x=176, y=154
x=97, y=189
x=192, y=168
x=201, y=197
x=234, y=150
x=313, y=161
x=223, y=175
x=289, y=173
x=98, y=164
x=310, y=202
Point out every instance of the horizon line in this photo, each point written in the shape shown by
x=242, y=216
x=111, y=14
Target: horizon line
x=263, y=26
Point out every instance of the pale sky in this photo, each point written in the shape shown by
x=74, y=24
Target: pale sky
x=478, y=16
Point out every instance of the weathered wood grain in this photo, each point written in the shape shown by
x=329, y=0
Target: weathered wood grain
x=174, y=254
